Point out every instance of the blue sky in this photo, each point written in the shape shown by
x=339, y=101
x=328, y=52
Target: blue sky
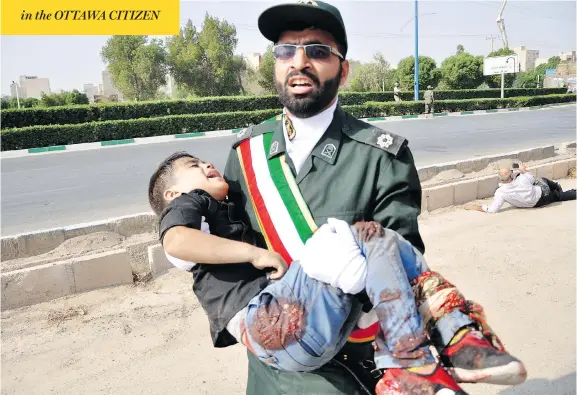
x=549, y=26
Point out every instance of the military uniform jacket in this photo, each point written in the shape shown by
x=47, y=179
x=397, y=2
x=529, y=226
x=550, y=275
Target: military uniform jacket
x=356, y=172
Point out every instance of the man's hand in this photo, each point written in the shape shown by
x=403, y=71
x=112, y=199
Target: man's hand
x=522, y=167
x=333, y=256
x=263, y=259
x=474, y=207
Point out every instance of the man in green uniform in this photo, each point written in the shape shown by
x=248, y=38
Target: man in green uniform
x=350, y=170
x=429, y=100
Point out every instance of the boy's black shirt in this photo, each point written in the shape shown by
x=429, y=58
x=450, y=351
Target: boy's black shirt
x=223, y=290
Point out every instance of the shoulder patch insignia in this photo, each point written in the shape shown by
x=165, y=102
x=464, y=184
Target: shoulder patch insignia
x=242, y=135
x=386, y=141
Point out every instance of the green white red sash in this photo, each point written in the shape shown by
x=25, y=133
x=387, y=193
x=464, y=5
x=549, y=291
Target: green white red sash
x=283, y=215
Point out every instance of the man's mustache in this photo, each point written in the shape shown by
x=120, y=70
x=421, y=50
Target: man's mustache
x=305, y=73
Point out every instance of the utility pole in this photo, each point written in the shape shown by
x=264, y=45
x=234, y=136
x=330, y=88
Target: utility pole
x=416, y=50
x=492, y=38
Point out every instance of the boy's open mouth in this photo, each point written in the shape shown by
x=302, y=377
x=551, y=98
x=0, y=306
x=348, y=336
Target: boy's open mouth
x=213, y=174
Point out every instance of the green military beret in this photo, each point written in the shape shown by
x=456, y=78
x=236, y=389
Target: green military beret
x=304, y=13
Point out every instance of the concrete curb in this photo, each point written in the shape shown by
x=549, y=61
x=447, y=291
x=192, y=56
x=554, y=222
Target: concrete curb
x=462, y=192
x=54, y=280
x=480, y=163
x=23, y=287
x=35, y=243
x=229, y=132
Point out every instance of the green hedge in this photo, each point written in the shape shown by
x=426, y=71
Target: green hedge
x=377, y=109
x=49, y=135
x=15, y=118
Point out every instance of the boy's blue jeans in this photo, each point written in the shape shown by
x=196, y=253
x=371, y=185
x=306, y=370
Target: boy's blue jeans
x=299, y=324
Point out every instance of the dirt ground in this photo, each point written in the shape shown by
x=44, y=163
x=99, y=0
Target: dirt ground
x=153, y=339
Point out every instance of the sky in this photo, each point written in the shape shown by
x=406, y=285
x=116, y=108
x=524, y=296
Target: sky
x=372, y=26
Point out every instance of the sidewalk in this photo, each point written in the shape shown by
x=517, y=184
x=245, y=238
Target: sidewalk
x=153, y=339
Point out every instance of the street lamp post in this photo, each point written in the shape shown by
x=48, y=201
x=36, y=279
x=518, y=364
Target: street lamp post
x=17, y=93
x=416, y=50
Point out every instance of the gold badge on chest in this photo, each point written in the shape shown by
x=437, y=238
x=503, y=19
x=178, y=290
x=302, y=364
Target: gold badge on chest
x=290, y=129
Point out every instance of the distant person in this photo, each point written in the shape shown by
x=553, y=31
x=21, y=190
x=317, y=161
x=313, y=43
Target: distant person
x=429, y=100
x=397, y=92
x=523, y=190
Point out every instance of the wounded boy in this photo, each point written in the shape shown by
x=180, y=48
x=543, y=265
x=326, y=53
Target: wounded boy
x=287, y=318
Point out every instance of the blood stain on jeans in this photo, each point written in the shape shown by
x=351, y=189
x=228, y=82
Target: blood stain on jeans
x=410, y=347
x=278, y=324
x=388, y=295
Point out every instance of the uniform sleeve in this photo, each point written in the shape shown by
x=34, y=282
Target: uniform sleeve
x=186, y=211
x=496, y=205
x=398, y=199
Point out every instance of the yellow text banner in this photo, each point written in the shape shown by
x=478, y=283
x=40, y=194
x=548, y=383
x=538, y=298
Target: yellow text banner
x=102, y=17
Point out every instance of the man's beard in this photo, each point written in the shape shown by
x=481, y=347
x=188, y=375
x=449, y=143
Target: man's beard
x=312, y=103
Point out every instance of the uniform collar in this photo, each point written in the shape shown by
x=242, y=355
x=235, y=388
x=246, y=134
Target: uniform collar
x=319, y=124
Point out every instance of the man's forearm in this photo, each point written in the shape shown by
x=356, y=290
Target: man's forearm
x=193, y=245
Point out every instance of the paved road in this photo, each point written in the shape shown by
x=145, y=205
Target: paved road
x=46, y=191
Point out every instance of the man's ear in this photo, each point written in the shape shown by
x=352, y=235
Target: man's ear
x=170, y=194
x=346, y=69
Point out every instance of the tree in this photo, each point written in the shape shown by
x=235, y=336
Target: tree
x=462, y=71
x=460, y=49
x=373, y=77
x=137, y=67
x=494, y=81
x=63, y=98
x=428, y=72
x=203, y=62
x=534, y=78
x=266, y=71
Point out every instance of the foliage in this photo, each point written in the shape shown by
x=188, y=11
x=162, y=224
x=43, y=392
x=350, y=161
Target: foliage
x=463, y=70
x=534, y=78
x=49, y=135
x=203, y=62
x=376, y=76
x=137, y=67
x=117, y=111
x=428, y=72
x=24, y=103
x=266, y=71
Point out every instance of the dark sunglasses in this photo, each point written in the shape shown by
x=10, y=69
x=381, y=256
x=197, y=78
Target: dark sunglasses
x=313, y=51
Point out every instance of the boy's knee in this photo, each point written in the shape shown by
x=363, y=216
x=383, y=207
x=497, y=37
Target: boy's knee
x=277, y=324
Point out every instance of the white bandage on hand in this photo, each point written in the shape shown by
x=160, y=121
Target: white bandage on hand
x=333, y=256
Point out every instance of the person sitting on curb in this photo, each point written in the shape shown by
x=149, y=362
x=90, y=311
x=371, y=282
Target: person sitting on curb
x=523, y=190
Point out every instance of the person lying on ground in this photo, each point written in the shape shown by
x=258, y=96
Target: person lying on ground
x=523, y=190
x=292, y=321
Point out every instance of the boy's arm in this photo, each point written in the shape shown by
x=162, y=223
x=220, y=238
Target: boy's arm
x=182, y=238
x=194, y=245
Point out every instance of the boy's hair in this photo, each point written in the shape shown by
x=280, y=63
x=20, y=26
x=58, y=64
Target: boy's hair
x=161, y=180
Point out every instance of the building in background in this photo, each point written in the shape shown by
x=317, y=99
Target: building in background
x=527, y=57
x=32, y=86
x=91, y=91
x=253, y=60
x=108, y=88
x=568, y=56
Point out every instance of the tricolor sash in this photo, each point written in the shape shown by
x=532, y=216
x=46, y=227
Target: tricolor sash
x=281, y=211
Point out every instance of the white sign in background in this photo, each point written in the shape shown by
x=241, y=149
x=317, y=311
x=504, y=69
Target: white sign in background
x=501, y=64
